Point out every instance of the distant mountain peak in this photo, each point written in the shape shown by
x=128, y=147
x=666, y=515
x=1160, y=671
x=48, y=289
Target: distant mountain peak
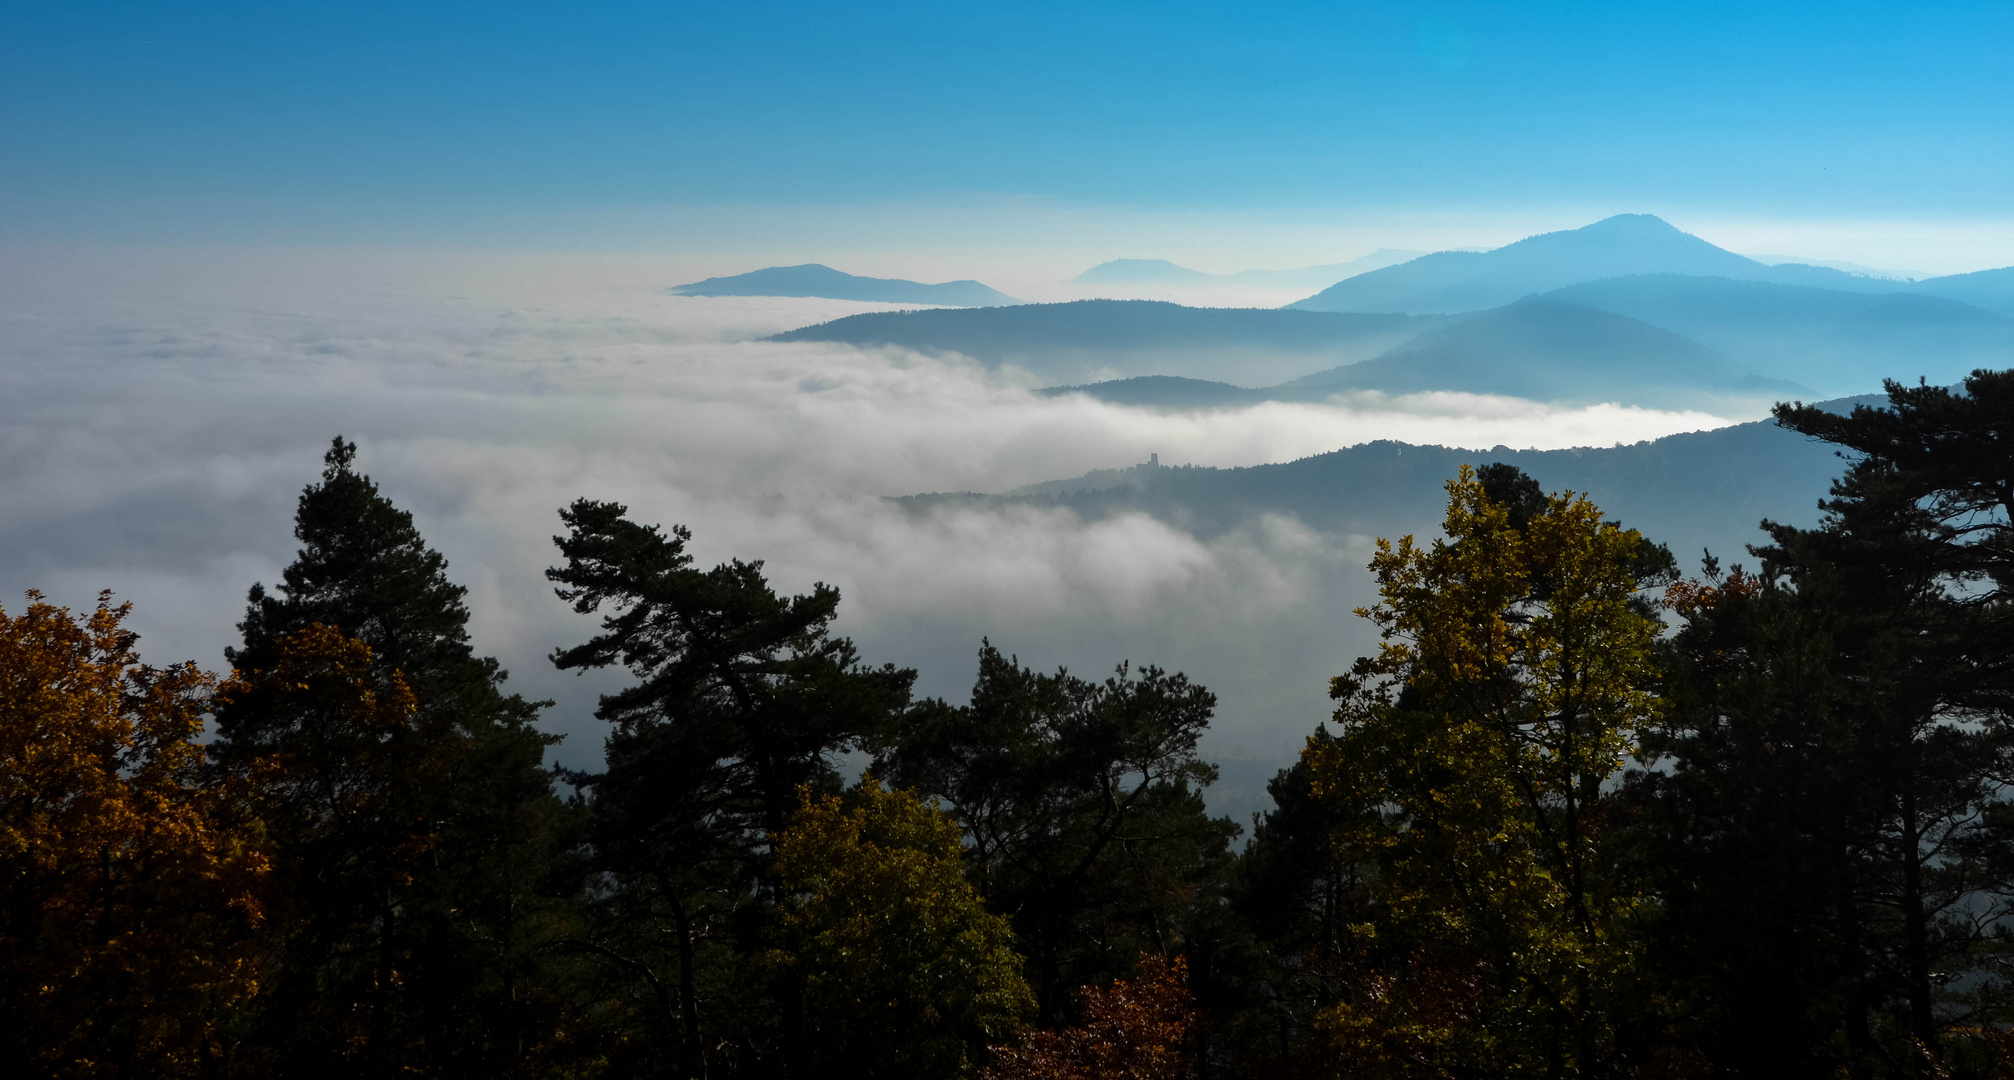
x=1448, y=281
x=1647, y=223
x=1130, y=271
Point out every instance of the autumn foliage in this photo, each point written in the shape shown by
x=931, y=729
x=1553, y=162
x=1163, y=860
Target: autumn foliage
x=1134, y=1029
x=131, y=884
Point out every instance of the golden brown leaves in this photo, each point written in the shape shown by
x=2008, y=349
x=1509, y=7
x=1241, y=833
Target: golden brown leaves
x=1135, y=1029
x=1691, y=596
x=131, y=880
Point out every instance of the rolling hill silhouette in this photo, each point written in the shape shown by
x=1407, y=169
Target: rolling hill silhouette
x=815, y=279
x=1141, y=272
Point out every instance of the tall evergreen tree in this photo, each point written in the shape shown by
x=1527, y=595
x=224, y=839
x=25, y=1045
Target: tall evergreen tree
x=742, y=699
x=1841, y=738
x=1757, y=825
x=452, y=958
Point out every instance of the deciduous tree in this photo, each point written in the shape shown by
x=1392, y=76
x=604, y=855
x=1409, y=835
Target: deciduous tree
x=1134, y=1029
x=132, y=882
x=1477, y=765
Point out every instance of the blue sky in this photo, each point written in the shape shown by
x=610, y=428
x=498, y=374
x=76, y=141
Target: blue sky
x=136, y=121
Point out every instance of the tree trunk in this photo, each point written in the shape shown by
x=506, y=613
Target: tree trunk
x=1915, y=945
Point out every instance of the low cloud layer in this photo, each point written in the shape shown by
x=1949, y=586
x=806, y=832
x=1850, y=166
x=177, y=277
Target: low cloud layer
x=159, y=414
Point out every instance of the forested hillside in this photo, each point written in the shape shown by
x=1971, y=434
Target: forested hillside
x=1592, y=810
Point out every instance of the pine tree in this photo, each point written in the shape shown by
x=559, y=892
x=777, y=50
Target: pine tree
x=464, y=980
x=742, y=698
x=1751, y=826
x=1842, y=733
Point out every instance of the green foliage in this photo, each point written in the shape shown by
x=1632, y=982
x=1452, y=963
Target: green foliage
x=1830, y=831
x=1084, y=810
x=735, y=673
x=1755, y=824
x=1300, y=894
x=901, y=969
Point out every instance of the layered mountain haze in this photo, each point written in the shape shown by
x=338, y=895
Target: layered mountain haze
x=1162, y=272
x=1141, y=272
x=1538, y=350
x=1006, y=542
x=1627, y=310
x=1989, y=289
x=1834, y=342
x=818, y=280
x=1166, y=356
x=1089, y=340
x=1546, y=350
x=1848, y=267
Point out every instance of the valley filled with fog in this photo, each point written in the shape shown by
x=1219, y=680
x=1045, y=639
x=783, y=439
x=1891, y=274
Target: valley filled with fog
x=161, y=413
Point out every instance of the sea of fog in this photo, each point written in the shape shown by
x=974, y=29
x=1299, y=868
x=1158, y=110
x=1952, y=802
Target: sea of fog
x=160, y=412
